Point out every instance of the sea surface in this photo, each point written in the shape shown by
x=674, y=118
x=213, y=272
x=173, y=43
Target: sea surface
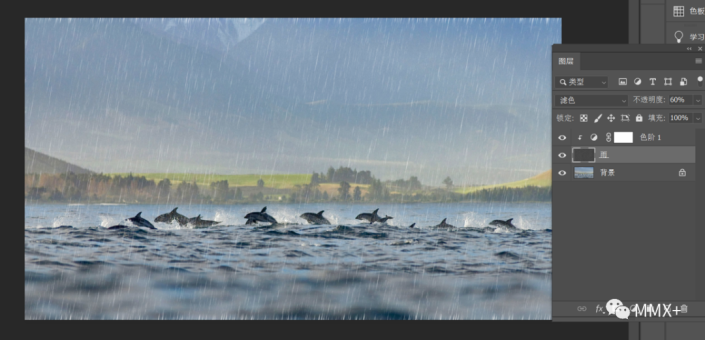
x=75, y=268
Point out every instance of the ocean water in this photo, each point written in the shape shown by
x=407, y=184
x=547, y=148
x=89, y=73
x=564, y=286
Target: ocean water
x=347, y=270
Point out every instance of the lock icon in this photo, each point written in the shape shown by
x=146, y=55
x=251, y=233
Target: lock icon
x=681, y=173
x=639, y=118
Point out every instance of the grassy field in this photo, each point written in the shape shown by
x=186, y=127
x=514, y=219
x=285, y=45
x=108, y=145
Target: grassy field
x=288, y=181
x=270, y=181
x=541, y=180
x=332, y=188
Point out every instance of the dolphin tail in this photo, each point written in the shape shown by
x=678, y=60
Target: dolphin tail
x=412, y=225
x=320, y=213
x=264, y=209
x=174, y=211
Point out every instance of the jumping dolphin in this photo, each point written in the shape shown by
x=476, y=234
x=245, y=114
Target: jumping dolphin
x=444, y=224
x=198, y=222
x=261, y=216
x=139, y=221
x=412, y=225
x=315, y=218
x=384, y=219
x=172, y=216
x=373, y=217
x=504, y=224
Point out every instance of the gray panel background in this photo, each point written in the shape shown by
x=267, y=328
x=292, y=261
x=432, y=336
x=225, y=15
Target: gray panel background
x=652, y=24
x=606, y=245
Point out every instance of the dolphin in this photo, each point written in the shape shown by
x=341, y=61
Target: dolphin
x=504, y=224
x=261, y=216
x=412, y=225
x=444, y=224
x=315, y=218
x=373, y=217
x=119, y=226
x=384, y=219
x=172, y=216
x=198, y=222
x=141, y=222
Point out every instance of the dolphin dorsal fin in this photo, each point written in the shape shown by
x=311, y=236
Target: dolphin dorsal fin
x=320, y=213
x=198, y=217
x=138, y=214
x=510, y=220
x=444, y=221
x=173, y=211
x=264, y=209
x=374, y=212
x=412, y=225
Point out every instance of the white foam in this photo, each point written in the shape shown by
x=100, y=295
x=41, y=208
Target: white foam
x=107, y=221
x=228, y=218
x=286, y=214
x=61, y=220
x=474, y=220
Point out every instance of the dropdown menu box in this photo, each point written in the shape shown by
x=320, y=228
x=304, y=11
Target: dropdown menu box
x=591, y=100
x=581, y=82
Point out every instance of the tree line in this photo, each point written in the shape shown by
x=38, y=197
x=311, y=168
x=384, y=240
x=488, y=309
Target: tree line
x=342, y=174
x=102, y=188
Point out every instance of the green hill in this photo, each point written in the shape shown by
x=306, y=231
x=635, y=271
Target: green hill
x=541, y=180
x=278, y=181
x=38, y=163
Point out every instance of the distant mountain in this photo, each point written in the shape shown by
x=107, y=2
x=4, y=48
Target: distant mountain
x=37, y=162
x=153, y=96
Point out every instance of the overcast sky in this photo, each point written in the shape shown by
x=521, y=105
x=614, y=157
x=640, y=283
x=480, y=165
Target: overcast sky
x=428, y=97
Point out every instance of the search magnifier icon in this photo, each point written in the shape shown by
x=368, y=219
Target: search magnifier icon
x=563, y=82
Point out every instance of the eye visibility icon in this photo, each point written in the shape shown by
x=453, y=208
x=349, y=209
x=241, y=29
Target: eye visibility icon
x=562, y=173
x=562, y=155
x=562, y=137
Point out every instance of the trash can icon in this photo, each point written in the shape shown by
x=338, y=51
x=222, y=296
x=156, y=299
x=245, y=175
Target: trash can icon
x=684, y=309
